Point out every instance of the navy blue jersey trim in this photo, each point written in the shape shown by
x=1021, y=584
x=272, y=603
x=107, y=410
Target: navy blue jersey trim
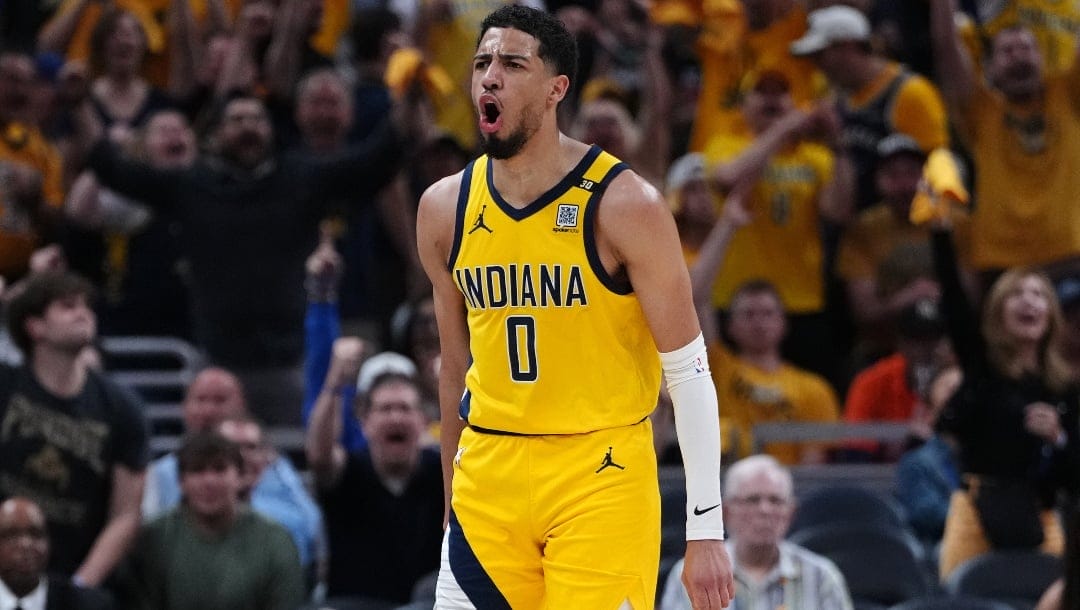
x=459, y=218
x=469, y=572
x=571, y=179
x=465, y=406
x=589, y=234
x=492, y=431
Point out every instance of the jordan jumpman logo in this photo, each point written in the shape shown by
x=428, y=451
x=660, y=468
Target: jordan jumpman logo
x=479, y=224
x=607, y=461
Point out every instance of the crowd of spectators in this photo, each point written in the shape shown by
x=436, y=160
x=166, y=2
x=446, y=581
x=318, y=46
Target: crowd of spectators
x=244, y=175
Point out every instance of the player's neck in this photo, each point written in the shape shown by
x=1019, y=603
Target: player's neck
x=542, y=163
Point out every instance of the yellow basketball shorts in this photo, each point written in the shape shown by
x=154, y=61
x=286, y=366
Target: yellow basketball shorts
x=555, y=522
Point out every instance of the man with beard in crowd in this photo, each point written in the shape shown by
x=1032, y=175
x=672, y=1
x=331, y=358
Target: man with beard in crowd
x=1023, y=130
x=250, y=218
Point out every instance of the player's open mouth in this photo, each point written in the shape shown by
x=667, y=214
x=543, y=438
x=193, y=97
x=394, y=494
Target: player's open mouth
x=490, y=116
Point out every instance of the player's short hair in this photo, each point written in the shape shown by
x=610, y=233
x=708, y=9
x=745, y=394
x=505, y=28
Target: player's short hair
x=558, y=47
x=34, y=297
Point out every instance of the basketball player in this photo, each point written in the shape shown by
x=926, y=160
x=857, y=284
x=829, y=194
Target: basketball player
x=557, y=278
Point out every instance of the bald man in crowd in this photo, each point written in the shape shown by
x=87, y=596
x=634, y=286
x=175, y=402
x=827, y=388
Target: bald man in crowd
x=216, y=399
x=214, y=396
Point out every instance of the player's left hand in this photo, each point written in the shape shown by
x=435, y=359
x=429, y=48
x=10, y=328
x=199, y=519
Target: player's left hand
x=707, y=574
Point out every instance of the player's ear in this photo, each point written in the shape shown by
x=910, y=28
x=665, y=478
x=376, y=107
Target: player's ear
x=559, y=87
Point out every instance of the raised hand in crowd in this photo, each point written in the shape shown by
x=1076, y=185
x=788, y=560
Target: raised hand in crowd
x=282, y=62
x=345, y=361
x=239, y=68
x=323, y=269
x=325, y=454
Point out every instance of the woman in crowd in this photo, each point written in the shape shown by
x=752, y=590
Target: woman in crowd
x=122, y=97
x=1014, y=416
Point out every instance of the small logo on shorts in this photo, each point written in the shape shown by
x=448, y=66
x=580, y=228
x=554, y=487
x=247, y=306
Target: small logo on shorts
x=608, y=462
x=457, y=458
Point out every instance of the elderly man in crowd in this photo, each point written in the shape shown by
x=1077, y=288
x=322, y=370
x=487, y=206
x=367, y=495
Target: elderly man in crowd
x=769, y=572
x=383, y=503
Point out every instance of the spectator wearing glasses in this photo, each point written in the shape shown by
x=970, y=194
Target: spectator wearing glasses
x=769, y=572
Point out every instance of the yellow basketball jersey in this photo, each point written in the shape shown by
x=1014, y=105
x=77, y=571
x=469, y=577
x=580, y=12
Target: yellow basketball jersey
x=558, y=346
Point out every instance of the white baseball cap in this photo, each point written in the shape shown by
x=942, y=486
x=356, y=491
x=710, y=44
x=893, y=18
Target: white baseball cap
x=837, y=23
x=690, y=166
x=380, y=364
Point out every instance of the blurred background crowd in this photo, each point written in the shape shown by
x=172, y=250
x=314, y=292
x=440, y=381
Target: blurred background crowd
x=876, y=200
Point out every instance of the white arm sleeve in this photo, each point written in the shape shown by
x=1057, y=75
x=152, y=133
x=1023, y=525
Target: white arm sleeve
x=697, y=424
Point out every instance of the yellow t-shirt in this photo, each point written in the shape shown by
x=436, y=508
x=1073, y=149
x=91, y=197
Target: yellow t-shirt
x=679, y=12
x=557, y=345
x=450, y=45
x=729, y=50
x=26, y=145
x=1028, y=175
x=750, y=396
x=876, y=233
x=783, y=243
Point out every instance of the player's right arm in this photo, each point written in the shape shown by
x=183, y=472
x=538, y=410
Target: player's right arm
x=435, y=221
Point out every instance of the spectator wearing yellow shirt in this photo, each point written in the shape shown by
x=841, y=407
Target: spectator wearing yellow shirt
x=1055, y=25
x=31, y=172
x=71, y=27
x=884, y=259
x=70, y=30
x=692, y=201
x=876, y=96
x=795, y=184
x=754, y=384
x=1023, y=131
x=738, y=37
x=443, y=28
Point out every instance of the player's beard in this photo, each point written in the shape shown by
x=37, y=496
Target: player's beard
x=506, y=147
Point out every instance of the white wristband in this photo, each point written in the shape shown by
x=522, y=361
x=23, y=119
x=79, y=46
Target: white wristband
x=697, y=423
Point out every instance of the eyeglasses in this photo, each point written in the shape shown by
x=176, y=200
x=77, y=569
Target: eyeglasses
x=756, y=499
